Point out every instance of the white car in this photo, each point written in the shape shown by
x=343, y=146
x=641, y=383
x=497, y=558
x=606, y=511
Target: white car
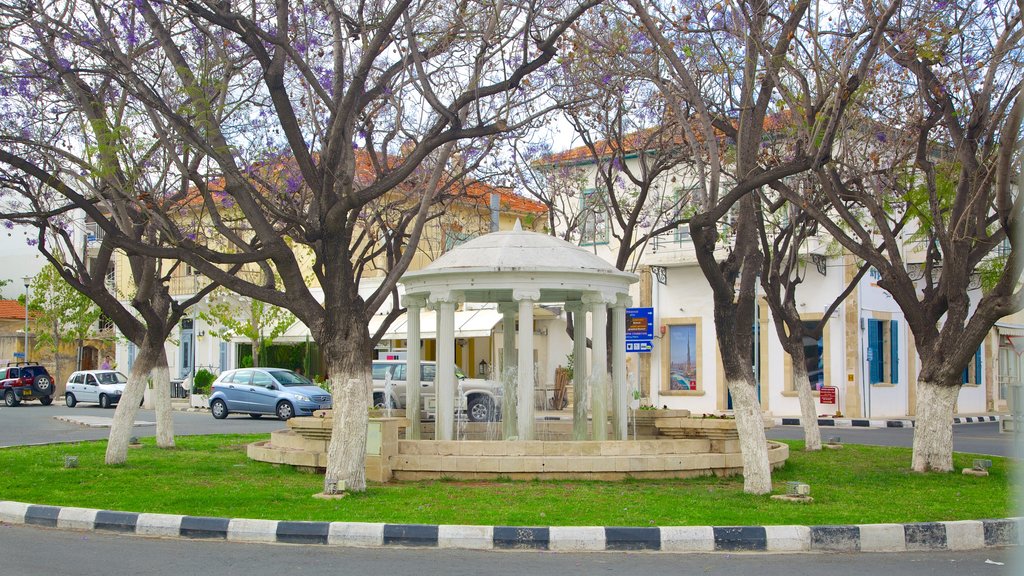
x=480, y=399
x=103, y=387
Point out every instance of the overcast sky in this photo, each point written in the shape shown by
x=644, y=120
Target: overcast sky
x=17, y=259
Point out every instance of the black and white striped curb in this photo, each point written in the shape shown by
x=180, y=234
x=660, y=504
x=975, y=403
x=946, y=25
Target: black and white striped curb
x=959, y=535
x=868, y=423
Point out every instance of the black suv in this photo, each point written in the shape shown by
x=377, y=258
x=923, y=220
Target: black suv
x=21, y=381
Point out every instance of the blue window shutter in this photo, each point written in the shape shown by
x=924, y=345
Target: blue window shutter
x=876, y=363
x=977, y=366
x=223, y=356
x=131, y=355
x=894, y=352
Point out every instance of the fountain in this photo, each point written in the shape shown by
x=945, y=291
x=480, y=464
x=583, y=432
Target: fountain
x=519, y=271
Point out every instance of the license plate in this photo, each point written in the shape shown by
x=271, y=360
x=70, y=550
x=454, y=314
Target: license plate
x=26, y=393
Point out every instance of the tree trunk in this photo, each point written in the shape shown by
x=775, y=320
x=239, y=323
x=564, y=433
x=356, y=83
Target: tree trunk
x=808, y=408
x=757, y=472
x=124, y=416
x=161, y=397
x=351, y=386
x=933, y=431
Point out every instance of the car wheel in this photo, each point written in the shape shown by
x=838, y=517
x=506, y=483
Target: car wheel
x=285, y=410
x=379, y=404
x=219, y=409
x=46, y=400
x=43, y=385
x=481, y=409
x=255, y=416
x=104, y=401
x=11, y=399
x=70, y=400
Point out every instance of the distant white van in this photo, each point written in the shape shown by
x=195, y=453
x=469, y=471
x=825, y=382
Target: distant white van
x=481, y=399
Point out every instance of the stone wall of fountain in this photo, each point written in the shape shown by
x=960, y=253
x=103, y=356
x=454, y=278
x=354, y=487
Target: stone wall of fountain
x=684, y=452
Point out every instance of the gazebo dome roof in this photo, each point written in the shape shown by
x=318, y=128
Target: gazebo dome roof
x=489, y=267
x=520, y=250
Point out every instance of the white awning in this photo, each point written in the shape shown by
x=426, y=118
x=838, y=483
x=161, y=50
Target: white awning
x=468, y=324
x=1007, y=329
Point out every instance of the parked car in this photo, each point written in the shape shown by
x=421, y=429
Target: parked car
x=23, y=381
x=103, y=387
x=481, y=399
x=259, y=391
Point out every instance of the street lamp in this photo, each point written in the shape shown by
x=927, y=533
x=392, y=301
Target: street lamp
x=26, y=279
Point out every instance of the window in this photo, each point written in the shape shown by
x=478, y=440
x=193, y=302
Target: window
x=815, y=354
x=681, y=352
x=453, y=238
x=972, y=373
x=684, y=197
x=883, y=352
x=428, y=372
x=594, y=213
x=241, y=377
x=262, y=379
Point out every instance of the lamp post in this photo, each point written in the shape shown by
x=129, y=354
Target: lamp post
x=26, y=279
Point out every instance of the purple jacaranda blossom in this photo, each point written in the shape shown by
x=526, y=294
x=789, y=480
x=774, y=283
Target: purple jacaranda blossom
x=881, y=137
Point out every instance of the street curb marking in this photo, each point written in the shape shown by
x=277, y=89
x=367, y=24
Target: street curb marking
x=865, y=423
x=916, y=536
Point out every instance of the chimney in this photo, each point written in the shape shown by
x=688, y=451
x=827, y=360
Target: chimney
x=495, y=207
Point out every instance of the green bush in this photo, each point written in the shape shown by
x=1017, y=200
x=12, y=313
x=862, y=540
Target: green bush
x=245, y=362
x=202, y=381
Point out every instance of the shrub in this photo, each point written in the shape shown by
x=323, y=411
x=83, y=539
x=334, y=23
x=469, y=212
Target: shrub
x=202, y=382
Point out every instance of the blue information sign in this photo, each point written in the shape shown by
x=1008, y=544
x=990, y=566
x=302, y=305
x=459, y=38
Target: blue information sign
x=641, y=346
x=639, y=330
x=639, y=324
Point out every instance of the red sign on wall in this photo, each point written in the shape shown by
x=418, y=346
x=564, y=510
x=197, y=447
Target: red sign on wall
x=827, y=395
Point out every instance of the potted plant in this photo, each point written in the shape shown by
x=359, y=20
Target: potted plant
x=202, y=383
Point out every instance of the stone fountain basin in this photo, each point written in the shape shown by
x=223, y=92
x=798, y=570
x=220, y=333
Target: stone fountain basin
x=304, y=445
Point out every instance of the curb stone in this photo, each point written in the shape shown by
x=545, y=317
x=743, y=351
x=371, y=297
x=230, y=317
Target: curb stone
x=953, y=535
x=868, y=423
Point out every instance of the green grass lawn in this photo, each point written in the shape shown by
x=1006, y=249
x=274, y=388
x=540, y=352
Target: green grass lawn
x=211, y=476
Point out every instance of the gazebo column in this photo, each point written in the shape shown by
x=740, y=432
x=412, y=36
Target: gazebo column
x=599, y=365
x=412, y=369
x=524, y=404
x=509, y=423
x=579, y=369
x=444, y=302
x=619, y=393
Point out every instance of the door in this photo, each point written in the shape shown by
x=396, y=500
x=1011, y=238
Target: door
x=186, y=349
x=262, y=394
x=233, y=390
x=91, y=390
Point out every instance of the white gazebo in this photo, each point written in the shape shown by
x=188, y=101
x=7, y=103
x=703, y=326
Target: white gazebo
x=519, y=269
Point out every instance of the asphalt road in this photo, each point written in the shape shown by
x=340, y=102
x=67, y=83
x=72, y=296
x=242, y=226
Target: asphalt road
x=32, y=423
x=973, y=438
x=27, y=549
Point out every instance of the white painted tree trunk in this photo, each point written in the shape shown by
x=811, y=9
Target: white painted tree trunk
x=757, y=472
x=128, y=406
x=933, y=430
x=161, y=396
x=346, y=453
x=808, y=408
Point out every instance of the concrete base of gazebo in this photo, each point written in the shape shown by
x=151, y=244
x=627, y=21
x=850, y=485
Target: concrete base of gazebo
x=304, y=445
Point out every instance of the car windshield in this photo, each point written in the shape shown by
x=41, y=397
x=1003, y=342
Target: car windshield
x=111, y=378
x=289, y=378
